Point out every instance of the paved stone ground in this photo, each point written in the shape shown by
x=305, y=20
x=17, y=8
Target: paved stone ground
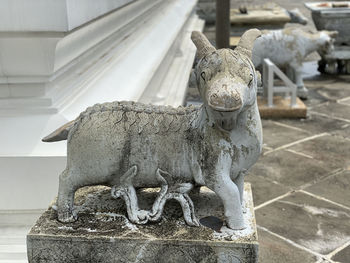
x=301, y=183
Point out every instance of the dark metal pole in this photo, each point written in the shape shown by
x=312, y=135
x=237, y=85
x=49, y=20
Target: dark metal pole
x=222, y=23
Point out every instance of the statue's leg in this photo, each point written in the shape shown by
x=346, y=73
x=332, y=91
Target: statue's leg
x=302, y=92
x=239, y=181
x=177, y=191
x=159, y=203
x=187, y=208
x=290, y=73
x=127, y=191
x=228, y=191
x=65, y=199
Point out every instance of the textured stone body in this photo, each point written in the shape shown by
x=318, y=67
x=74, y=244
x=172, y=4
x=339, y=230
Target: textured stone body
x=288, y=48
x=128, y=145
x=111, y=138
x=103, y=233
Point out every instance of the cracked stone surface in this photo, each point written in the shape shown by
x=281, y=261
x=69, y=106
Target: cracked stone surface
x=104, y=234
x=343, y=256
x=334, y=188
x=315, y=224
x=315, y=124
x=265, y=189
x=280, y=167
x=275, y=250
x=276, y=135
x=333, y=151
x=332, y=109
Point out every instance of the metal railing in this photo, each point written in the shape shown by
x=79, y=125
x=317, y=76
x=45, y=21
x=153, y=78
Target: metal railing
x=269, y=71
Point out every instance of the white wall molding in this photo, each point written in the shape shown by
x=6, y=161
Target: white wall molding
x=52, y=15
x=125, y=65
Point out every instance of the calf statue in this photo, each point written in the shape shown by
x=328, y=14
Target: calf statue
x=289, y=47
x=130, y=145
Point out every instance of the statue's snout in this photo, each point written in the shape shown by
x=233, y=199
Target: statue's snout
x=224, y=97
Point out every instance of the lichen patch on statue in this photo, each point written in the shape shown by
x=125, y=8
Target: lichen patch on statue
x=130, y=145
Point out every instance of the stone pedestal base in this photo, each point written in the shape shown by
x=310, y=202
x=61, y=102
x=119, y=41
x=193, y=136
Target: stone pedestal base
x=104, y=234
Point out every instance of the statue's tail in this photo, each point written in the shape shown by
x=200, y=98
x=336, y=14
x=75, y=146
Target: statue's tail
x=60, y=134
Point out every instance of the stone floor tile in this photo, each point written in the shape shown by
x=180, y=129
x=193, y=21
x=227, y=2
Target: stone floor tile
x=276, y=135
x=333, y=110
x=289, y=169
x=264, y=189
x=335, y=188
x=314, y=98
x=275, y=250
x=315, y=224
x=345, y=101
x=343, y=256
x=316, y=124
x=345, y=132
x=335, y=91
x=333, y=151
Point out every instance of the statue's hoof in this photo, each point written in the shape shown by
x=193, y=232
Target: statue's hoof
x=142, y=215
x=67, y=217
x=193, y=222
x=235, y=224
x=302, y=93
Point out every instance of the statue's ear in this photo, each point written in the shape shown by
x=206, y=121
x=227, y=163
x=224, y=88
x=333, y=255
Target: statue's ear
x=246, y=43
x=193, y=79
x=332, y=34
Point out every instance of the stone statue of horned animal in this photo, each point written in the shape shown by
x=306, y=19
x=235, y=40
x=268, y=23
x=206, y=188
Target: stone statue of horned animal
x=288, y=48
x=129, y=145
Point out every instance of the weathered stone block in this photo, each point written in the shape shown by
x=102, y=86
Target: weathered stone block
x=104, y=234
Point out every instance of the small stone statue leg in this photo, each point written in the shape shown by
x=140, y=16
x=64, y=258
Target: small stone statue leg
x=239, y=181
x=127, y=191
x=177, y=191
x=187, y=208
x=229, y=194
x=159, y=203
x=302, y=92
x=65, y=199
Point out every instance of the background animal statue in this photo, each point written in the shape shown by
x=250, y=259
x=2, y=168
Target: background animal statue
x=128, y=145
x=288, y=47
x=297, y=17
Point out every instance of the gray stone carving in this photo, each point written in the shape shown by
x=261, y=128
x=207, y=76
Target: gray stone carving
x=130, y=145
x=287, y=48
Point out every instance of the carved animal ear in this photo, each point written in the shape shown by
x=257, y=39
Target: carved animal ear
x=202, y=43
x=332, y=34
x=193, y=79
x=246, y=43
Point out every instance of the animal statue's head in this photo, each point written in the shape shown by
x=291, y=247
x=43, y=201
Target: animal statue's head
x=326, y=41
x=226, y=78
x=297, y=17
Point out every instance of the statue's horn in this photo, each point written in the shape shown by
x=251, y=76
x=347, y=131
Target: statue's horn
x=246, y=43
x=202, y=43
